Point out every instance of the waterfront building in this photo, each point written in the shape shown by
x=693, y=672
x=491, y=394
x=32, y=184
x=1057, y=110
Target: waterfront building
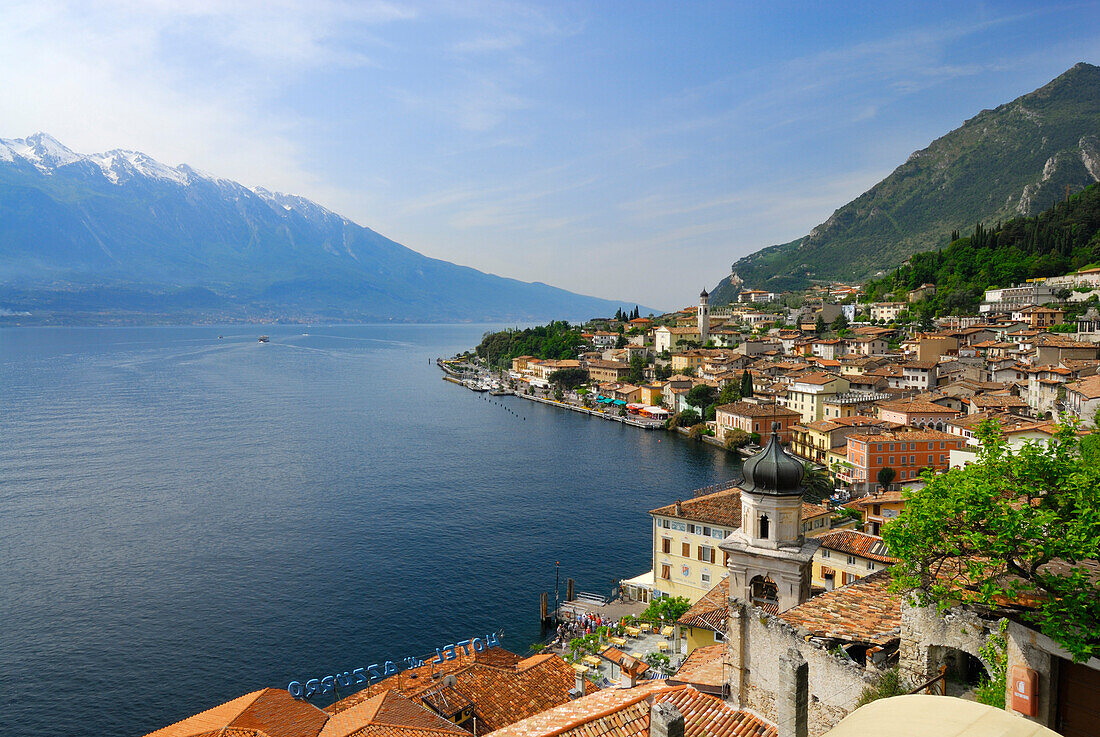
x=754, y=417
x=846, y=556
x=687, y=561
x=650, y=394
x=601, y=371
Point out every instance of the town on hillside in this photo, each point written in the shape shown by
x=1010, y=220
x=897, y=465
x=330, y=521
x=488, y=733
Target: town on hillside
x=770, y=607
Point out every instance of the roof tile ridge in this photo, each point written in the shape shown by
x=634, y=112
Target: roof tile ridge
x=608, y=711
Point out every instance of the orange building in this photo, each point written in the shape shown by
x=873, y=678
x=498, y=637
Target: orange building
x=905, y=452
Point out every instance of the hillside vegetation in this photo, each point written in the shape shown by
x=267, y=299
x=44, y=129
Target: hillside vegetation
x=1015, y=160
x=1061, y=240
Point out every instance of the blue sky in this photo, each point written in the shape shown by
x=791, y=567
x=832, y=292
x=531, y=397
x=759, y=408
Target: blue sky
x=632, y=150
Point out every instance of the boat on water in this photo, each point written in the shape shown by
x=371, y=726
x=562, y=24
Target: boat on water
x=475, y=386
x=264, y=339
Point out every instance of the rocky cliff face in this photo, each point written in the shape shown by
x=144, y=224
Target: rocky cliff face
x=1015, y=160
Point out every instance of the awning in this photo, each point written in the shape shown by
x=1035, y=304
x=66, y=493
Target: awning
x=646, y=580
x=656, y=410
x=620, y=402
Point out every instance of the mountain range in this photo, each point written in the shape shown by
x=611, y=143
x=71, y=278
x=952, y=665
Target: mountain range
x=1015, y=160
x=119, y=236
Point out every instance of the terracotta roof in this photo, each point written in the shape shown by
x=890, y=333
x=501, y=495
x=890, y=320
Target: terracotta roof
x=862, y=611
x=857, y=543
x=904, y=437
x=751, y=409
x=711, y=611
x=914, y=405
x=501, y=687
x=997, y=400
x=816, y=378
x=720, y=508
x=274, y=712
x=624, y=660
x=625, y=713
x=1088, y=387
x=702, y=668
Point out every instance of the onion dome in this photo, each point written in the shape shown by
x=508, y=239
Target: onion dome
x=773, y=471
x=704, y=293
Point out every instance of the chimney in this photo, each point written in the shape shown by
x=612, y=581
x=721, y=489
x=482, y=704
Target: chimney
x=679, y=508
x=578, y=687
x=665, y=720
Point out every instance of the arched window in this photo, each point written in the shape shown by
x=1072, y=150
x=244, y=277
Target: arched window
x=764, y=527
x=764, y=594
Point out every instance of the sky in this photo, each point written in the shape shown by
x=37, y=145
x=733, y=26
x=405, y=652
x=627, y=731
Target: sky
x=629, y=150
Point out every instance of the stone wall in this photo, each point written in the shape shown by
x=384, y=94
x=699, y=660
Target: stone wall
x=927, y=636
x=835, y=684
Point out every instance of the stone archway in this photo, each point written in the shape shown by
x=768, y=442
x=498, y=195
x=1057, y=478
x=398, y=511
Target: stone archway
x=764, y=594
x=930, y=640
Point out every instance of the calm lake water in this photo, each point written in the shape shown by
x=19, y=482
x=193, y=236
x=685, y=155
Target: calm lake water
x=184, y=519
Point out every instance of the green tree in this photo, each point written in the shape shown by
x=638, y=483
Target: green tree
x=735, y=438
x=700, y=396
x=636, y=375
x=746, y=384
x=687, y=418
x=662, y=372
x=820, y=326
x=818, y=483
x=840, y=323
x=568, y=378
x=1017, y=529
x=886, y=476
x=668, y=609
x=731, y=392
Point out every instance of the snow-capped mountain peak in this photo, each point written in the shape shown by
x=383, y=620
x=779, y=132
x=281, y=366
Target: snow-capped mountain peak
x=41, y=149
x=120, y=166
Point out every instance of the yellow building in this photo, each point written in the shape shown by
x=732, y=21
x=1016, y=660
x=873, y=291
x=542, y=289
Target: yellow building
x=705, y=623
x=807, y=394
x=650, y=394
x=846, y=556
x=686, y=535
x=878, y=509
x=689, y=360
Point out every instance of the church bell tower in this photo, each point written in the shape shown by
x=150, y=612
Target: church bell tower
x=704, y=317
x=769, y=557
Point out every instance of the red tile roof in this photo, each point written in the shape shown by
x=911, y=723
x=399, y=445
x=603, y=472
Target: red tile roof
x=720, y=508
x=625, y=713
x=501, y=687
x=862, y=611
x=273, y=712
x=857, y=543
x=711, y=611
x=703, y=669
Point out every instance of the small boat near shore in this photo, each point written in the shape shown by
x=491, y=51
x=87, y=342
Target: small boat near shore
x=264, y=339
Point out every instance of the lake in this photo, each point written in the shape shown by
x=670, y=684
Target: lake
x=187, y=514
